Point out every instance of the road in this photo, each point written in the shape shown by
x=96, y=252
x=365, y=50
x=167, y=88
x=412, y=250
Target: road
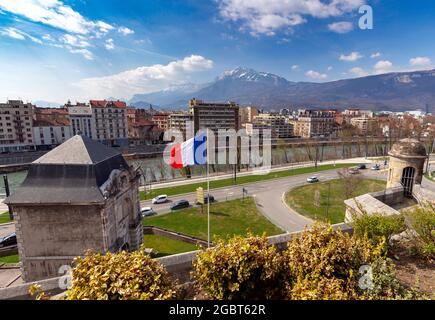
x=6, y=229
x=269, y=197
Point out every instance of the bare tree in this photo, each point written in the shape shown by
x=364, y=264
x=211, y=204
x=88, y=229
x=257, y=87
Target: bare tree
x=350, y=182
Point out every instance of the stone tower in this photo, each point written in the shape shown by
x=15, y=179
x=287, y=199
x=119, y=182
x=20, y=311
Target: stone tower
x=81, y=195
x=407, y=158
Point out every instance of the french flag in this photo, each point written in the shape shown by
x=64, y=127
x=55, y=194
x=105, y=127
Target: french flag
x=189, y=153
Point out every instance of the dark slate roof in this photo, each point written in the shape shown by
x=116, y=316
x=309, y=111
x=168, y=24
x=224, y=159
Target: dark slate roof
x=69, y=174
x=78, y=150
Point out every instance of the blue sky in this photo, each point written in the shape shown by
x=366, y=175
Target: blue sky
x=57, y=50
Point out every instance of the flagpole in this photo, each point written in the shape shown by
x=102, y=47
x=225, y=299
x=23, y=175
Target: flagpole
x=208, y=196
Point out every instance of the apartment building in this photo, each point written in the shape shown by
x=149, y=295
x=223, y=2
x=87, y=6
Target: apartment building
x=81, y=119
x=278, y=124
x=50, y=133
x=214, y=115
x=16, y=121
x=364, y=125
x=179, y=121
x=247, y=115
x=313, y=123
x=161, y=119
x=111, y=122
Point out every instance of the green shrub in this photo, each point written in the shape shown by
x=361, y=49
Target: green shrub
x=421, y=220
x=378, y=227
x=120, y=276
x=242, y=268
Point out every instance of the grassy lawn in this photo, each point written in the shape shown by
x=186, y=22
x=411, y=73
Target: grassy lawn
x=164, y=246
x=430, y=176
x=4, y=217
x=10, y=259
x=302, y=198
x=187, y=188
x=226, y=219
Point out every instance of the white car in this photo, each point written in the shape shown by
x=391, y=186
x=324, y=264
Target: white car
x=160, y=199
x=312, y=179
x=147, y=212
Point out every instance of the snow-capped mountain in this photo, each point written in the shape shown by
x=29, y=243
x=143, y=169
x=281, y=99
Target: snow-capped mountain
x=392, y=91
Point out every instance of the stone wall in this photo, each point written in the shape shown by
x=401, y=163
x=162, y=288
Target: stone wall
x=376, y=202
x=179, y=266
x=174, y=235
x=56, y=232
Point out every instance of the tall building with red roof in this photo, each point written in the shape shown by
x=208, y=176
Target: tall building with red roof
x=111, y=124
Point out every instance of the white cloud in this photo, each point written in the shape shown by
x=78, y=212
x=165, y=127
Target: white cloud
x=84, y=52
x=330, y=68
x=295, y=66
x=268, y=16
x=341, y=27
x=12, y=33
x=316, y=75
x=420, y=62
x=383, y=66
x=125, y=31
x=375, y=55
x=110, y=45
x=18, y=34
x=353, y=56
x=74, y=41
x=359, y=72
x=56, y=14
x=145, y=79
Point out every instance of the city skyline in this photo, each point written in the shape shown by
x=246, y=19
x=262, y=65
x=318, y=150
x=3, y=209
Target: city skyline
x=56, y=50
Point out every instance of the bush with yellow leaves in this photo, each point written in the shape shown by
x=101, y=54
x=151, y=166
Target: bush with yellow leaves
x=328, y=264
x=120, y=276
x=242, y=268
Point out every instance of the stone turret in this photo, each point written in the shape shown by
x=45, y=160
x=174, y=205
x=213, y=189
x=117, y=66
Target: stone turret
x=81, y=195
x=407, y=158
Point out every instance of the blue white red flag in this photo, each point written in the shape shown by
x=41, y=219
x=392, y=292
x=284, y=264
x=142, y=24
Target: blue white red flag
x=190, y=152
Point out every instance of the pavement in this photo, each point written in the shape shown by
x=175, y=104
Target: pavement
x=6, y=229
x=268, y=196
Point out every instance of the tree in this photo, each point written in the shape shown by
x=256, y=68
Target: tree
x=350, y=182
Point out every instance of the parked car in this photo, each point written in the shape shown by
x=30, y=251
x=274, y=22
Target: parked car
x=353, y=170
x=147, y=212
x=9, y=240
x=376, y=167
x=206, y=199
x=362, y=166
x=312, y=179
x=181, y=204
x=160, y=199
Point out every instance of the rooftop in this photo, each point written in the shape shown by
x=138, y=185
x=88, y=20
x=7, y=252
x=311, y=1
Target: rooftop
x=407, y=148
x=72, y=173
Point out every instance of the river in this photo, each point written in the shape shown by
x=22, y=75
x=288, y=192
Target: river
x=155, y=169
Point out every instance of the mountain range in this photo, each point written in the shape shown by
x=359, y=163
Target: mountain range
x=397, y=91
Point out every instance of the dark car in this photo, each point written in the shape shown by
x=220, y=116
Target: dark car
x=362, y=166
x=181, y=204
x=376, y=167
x=206, y=198
x=9, y=240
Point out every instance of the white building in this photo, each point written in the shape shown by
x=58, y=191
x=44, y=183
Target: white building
x=81, y=120
x=49, y=134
